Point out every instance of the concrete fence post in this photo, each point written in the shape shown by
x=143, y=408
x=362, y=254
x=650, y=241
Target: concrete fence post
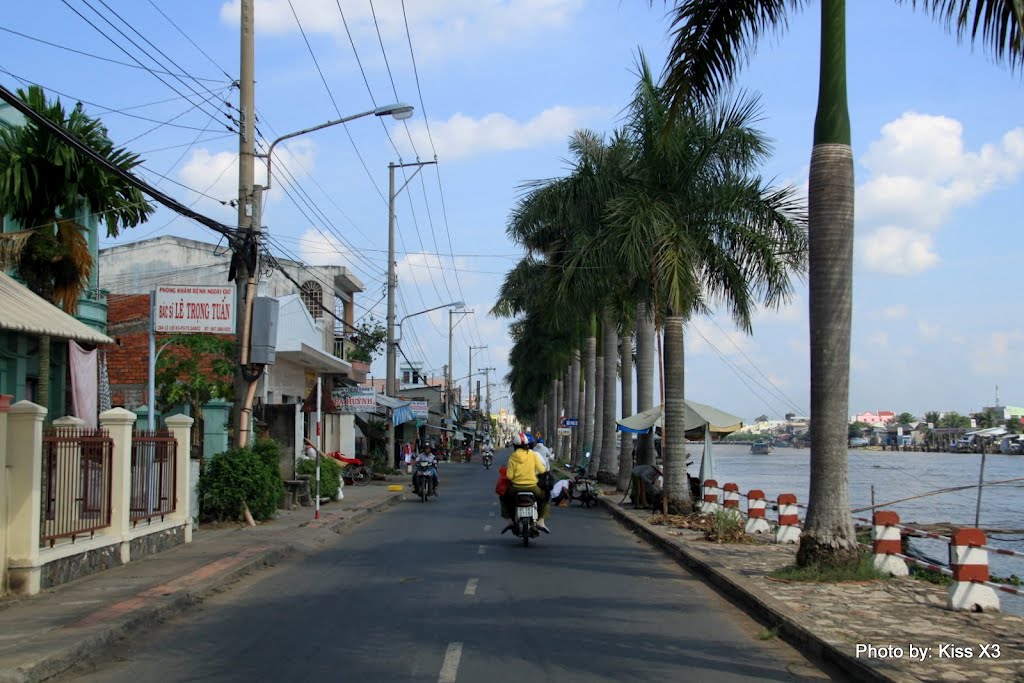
x=886, y=543
x=181, y=427
x=789, y=520
x=25, y=483
x=5, y=490
x=119, y=424
x=710, y=502
x=756, y=523
x=970, y=565
x=731, y=499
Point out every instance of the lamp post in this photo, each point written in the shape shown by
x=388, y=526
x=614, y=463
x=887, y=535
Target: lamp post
x=249, y=214
x=391, y=388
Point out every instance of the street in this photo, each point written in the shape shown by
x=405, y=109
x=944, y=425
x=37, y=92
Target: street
x=431, y=592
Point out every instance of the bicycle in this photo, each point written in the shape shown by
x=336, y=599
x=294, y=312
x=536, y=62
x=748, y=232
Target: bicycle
x=353, y=469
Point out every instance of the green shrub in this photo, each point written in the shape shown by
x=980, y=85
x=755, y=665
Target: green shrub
x=726, y=527
x=330, y=475
x=241, y=475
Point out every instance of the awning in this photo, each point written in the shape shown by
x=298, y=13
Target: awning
x=698, y=416
x=22, y=310
x=310, y=357
x=389, y=402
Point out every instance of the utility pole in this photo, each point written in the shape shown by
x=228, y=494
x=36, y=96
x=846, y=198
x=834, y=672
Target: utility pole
x=451, y=367
x=390, y=384
x=487, y=388
x=248, y=224
x=470, y=378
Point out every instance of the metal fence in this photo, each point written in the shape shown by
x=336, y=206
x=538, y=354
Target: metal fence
x=153, y=475
x=76, y=483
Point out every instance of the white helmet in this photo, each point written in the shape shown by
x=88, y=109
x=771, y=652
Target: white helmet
x=520, y=439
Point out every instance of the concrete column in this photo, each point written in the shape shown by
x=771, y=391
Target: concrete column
x=24, y=481
x=119, y=423
x=5, y=491
x=215, y=427
x=181, y=427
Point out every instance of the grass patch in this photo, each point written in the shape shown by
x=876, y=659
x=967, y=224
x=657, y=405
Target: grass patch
x=726, y=526
x=862, y=571
x=929, y=575
x=768, y=633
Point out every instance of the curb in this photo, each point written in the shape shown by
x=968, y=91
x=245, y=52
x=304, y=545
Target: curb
x=752, y=600
x=96, y=644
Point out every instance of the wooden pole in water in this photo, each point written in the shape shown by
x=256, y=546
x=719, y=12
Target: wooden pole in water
x=981, y=487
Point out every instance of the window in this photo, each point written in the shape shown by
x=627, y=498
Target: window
x=313, y=297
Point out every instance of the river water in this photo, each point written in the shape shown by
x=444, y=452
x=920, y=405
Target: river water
x=896, y=476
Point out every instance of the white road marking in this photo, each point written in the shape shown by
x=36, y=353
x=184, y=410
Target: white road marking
x=487, y=527
x=481, y=550
x=490, y=514
x=471, y=586
x=450, y=668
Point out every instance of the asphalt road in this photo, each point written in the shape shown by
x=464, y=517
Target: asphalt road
x=431, y=592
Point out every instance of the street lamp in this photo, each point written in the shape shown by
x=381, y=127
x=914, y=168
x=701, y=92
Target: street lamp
x=399, y=112
x=454, y=304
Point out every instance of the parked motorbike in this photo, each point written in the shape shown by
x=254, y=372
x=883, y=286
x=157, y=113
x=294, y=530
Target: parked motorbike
x=583, y=488
x=424, y=480
x=526, y=517
x=353, y=469
x=488, y=460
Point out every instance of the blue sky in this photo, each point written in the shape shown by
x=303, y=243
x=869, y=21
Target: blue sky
x=936, y=132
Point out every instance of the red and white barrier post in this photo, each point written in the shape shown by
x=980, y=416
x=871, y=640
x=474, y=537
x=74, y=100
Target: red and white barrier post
x=731, y=499
x=756, y=523
x=887, y=544
x=710, y=502
x=970, y=565
x=789, y=520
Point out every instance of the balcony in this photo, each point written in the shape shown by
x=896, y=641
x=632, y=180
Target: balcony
x=92, y=308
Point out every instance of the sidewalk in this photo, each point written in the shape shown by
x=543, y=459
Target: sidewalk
x=46, y=634
x=829, y=621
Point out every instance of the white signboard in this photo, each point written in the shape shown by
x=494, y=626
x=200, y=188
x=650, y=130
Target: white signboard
x=200, y=309
x=419, y=410
x=350, y=400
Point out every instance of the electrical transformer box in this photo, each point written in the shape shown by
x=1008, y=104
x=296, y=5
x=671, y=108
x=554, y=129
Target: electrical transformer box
x=264, y=330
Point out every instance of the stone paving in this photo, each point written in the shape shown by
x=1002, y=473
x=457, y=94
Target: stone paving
x=896, y=630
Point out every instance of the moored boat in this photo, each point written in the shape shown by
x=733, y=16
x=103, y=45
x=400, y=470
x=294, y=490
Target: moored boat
x=761, y=448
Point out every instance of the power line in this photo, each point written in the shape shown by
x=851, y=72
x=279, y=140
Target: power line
x=105, y=59
x=189, y=39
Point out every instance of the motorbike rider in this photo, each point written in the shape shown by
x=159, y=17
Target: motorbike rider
x=543, y=451
x=426, y=456
x=522, y=469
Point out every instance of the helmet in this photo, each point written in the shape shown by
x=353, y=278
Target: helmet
x=540, y=440
x=529, y=439
x=520, y=439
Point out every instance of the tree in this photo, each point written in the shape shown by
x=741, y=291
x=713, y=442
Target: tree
x=761, y=418
x=954, y=420
x=856, y=429
x=193, y=370
x=932, y=417
x=985, y=419
x=699, y=227
x=905, y=418
x=44, y=185
x=711, y=39
x=369, y=338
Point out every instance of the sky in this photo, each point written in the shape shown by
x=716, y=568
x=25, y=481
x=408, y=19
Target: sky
x=498, y=87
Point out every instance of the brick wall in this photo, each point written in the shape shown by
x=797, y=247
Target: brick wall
x=128, y=361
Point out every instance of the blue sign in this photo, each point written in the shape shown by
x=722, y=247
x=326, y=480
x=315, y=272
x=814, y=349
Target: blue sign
x=568, y=422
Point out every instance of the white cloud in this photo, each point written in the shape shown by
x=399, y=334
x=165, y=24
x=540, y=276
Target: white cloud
x=438, y=27
x=997, y=353
x=319, y=248
x=899, y=251
x=920, y=173
x=879, y=339
x=213, y=174
x=928, y=330
x=793, y=311
x=419, y=268
x=464, y=136
x=894, y=312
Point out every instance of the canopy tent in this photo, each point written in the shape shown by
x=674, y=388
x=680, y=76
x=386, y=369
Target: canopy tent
x=702, y=421
x=400, y=410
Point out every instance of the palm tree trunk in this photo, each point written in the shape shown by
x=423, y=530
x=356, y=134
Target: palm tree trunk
x=626, y=443
x=574, y=405
x=552, y=409
x=43, y=395
x=644, y=379
x=673, y=444
x=589, y=356
x=828, y=537
x=595, y=458
x=553, y=441
x=609, y=461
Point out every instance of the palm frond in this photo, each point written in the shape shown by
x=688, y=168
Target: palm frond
x=12, y=245
x=1000, y=24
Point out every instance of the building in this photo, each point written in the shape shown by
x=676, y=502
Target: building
x=882, y=417
x=315, y=310
x=1004, y=413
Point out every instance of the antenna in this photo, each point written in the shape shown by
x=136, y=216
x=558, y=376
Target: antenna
x=997, y=396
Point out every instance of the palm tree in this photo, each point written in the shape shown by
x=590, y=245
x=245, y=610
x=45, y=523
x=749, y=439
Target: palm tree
x=712, y=37
x=644, y=378
x=704, y=227
x=626, y=374
x=45, y=185
x=609, y=459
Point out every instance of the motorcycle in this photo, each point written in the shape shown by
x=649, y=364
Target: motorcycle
x=353, y=469
x=424, y=480
x=583, y=488
x=488, y=460
x=526, y=516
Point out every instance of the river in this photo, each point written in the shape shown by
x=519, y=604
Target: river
x=896, y=476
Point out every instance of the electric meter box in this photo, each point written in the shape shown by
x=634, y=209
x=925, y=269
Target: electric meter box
x=263, y=339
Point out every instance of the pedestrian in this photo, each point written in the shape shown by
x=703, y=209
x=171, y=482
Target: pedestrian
x=561, y=493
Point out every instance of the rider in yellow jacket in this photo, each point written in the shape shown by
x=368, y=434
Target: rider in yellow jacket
x=522, y=469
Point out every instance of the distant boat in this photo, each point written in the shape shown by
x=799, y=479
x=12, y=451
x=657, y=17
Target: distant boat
x=760, y=448
x=858, y=441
